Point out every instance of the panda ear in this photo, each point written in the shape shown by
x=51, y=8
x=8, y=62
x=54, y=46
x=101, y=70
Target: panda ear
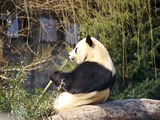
x=89, y=41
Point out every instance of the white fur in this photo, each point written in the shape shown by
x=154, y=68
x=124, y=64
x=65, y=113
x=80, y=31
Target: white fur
x=66, y=101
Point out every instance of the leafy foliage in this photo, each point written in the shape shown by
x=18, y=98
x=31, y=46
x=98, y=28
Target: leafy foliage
x=145, y=89
x=15, y=99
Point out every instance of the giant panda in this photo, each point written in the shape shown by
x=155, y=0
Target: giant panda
x=90, y=82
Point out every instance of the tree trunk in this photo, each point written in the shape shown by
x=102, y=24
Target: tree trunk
x=1, y=46
x=130, y=109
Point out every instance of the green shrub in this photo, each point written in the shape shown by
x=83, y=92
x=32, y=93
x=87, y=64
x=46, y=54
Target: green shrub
x=146, y=89
x=23, y=105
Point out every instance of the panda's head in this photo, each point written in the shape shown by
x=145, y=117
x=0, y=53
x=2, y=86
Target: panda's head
x=80, y=53
x=91, y=50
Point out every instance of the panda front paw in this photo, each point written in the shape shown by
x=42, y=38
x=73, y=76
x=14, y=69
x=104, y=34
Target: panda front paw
x=54, y=76
x=56, y=72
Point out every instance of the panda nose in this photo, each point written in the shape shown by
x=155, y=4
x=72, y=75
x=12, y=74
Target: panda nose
x=72, y=59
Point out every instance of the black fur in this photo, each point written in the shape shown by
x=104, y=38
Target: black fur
x=89, y=41
x=87, y=77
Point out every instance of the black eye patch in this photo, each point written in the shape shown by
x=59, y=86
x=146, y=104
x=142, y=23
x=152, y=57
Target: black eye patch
x=76, y=50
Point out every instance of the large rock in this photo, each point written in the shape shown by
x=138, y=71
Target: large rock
x=130, y=109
